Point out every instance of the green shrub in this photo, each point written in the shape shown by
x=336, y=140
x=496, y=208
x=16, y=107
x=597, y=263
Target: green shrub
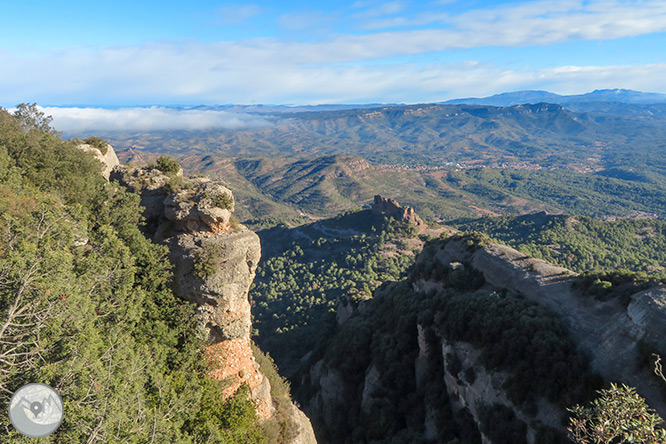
x=470, y=375
x=221, y=200
x=234, y=223
x=168, y=165
x=618, y=284
x=282, y=428
x=618, y=415
x=207, y=260
x=174, y=185
x=99, y=143
x=501, y=425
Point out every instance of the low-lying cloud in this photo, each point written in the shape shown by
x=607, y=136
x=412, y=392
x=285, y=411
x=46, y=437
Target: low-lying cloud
x=75, y=120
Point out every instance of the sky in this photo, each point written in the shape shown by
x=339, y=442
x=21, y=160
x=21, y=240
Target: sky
x=140, y=53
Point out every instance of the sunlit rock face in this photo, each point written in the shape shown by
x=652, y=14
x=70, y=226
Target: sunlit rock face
x=215, y=259
x=109, y=159
x=392, y=208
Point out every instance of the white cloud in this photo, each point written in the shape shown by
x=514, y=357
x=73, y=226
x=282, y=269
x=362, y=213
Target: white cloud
x=388, y=8
x=399, y=83
x=235, y=14
x=341, y=68
x=406, y=22
x=307, y=20
x=580, y=79
x=547, y=22
x=78, y=119
x=540, y=22
x=266, y=72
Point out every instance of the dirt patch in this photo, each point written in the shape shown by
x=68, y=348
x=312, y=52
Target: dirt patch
x=484, y=211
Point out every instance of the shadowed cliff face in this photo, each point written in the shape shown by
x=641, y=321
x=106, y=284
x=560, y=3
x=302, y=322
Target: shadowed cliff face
x=611, y=332
x=214, y=259
x=480, y=344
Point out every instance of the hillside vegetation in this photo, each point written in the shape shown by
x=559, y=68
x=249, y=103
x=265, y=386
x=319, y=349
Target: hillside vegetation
x=446, y=161
x=581, y=243
x=270, y=191
x=86, y=305
x=398, y=336
x=306, y=272
x=457, y=351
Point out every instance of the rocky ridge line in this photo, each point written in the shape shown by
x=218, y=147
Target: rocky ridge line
x=613, y=334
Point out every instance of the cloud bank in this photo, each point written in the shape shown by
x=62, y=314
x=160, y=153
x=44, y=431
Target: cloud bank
x=78, y=120
x=379, y=52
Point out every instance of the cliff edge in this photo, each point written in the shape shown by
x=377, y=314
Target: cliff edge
x=214, y=259
x=105, y=154
x=480, y=344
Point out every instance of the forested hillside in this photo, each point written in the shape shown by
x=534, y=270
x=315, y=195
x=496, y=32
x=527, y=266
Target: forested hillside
x=446, y=161
x=277, y=190
x=480, y=343
x=581, y=243
x=86, y=305
x=475, y=342
x=307, y=272
x=542, y=134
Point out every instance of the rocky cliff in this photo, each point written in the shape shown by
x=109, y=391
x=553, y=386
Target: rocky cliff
x=613, y=333
x=108, y=157
x=392, y=208
x=481, y=344
x=214, y=259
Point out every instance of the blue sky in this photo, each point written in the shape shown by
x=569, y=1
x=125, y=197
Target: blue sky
x=135, y=53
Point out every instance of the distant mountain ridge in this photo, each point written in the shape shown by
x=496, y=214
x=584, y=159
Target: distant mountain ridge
x=531, y=97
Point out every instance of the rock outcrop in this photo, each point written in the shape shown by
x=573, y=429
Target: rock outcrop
x=350, y=390
x=214, y=259
x=390, y=207
x=108, y=158
x=611, y=333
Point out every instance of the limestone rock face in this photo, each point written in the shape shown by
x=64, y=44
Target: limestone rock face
x=109, y=159
x=615, y=335
x=391, y=208
x=214, y=265
x=609, y=332
x=647, y=310
x=205, y=205
x=221, y=296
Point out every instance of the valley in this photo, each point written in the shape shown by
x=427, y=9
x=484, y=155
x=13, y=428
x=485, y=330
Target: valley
x=446, y=161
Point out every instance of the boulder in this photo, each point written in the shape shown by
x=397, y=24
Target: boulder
x=109, y=159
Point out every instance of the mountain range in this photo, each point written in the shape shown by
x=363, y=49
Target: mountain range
x=529, y=96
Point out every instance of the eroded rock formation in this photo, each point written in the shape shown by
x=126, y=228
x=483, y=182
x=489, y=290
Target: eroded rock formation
x=451, y=379
x=108, y=158
x=214, y=259
x=392, y=208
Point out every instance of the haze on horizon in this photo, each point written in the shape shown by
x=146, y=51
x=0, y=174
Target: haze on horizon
x=166, y=53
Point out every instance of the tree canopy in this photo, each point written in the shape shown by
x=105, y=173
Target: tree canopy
x=86, y=305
